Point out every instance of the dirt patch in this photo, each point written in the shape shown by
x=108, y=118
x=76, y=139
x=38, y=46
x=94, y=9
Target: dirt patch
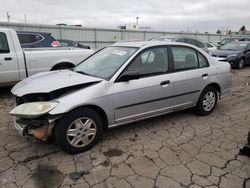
x=113, y=153
x=47, y=176
x=77, y=175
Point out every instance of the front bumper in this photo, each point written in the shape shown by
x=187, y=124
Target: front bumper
x=40, y=129
x=234, y=62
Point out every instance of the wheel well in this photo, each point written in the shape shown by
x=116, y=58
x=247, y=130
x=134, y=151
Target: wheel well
x=101, y=112
x=243, y=59
x=62, y=65
x=216, y=86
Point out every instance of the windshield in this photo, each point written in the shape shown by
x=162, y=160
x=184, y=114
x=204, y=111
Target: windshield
x=227, y=40
x=106, y=62
x=234, y=46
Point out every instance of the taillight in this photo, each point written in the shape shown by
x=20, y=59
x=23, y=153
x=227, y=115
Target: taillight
x=55, y=43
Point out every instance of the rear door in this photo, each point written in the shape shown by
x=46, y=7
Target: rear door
x=150, y=94
x=9, y=70
x=191, y=72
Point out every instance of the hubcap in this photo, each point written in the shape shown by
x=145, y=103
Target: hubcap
x=209, y=101
x=241, y=64
x=81, y=132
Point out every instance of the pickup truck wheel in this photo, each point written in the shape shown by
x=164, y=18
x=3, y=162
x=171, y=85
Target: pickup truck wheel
x=241, y=64
x=78, y=130
x=207, y=101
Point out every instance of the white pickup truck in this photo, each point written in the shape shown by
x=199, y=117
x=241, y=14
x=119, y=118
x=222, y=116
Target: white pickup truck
x=16, y=63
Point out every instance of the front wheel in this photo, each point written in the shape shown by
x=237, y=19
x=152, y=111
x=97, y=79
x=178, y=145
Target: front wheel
x=241, y=64
x=78, y=130
x=207, y=101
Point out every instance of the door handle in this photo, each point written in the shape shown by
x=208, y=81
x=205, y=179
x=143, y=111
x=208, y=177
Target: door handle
x=7, y=58
x=165, y=82
x=204, y=75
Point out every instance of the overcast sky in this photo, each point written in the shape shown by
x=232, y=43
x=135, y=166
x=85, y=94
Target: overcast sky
x=169, y=15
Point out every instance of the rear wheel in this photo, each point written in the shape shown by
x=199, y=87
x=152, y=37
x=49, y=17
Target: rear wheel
x=241, y=64
x=78, y=130
x=207, y=101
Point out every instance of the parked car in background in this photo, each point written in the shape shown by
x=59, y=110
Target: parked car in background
x=227, y=40
x=71, y=43
x=17, y=63
x=119, y=84
x=36, y=39
x=210, y=46
x=184, y=39
x=236, y=53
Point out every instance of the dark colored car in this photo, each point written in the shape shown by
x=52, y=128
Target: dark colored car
x=71, y=43
x=36, y=39
x=184, y=39
x=236, y=53
x=226, y=40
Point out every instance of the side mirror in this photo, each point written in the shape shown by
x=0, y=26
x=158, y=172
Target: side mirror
x=129, y=75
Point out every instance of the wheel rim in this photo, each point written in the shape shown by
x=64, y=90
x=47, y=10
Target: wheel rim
x=209, y=101
x=81, y=132
x=241, y=64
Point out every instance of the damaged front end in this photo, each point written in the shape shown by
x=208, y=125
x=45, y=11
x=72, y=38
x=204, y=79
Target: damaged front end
x=32, y=119
x=41, y=128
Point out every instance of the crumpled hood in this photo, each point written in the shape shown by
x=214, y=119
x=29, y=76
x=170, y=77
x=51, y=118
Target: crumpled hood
x=51, y=81
x=225, y=53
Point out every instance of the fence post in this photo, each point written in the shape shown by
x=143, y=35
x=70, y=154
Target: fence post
x=60, y=32
x=95, y=38
x=121, y=34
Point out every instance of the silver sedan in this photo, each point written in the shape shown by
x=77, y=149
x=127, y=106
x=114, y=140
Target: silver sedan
x=119, y=84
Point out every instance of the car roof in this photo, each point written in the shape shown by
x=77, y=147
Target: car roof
x=32, y=32
x=241, y=42
x=139, y=44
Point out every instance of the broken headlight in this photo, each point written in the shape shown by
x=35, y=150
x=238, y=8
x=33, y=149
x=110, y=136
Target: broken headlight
x=33, y=109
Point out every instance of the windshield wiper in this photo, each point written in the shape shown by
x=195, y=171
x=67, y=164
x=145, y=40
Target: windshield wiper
x=81, y=72
x=229, y=49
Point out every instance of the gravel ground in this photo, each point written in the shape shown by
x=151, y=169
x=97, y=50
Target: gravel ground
x=175, y=150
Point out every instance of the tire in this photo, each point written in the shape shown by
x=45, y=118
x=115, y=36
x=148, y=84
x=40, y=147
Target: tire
x=78, y=130
x=241, y=64
x=248, y=138
x=204, y=108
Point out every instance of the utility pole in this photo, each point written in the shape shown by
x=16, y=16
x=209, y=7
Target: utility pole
x=8, y=17
x=25, y=21
x=137, y=21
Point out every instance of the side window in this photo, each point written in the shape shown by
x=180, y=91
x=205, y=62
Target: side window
x=202, y=61
x=29, y=38
x=200, y=44
x=64, y=43
x=4, y=47
x=152, y=61
x=184, y=58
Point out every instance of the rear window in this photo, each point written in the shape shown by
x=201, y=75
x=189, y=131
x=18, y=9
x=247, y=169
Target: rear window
x=191, y=41
x=29, y=38
x=200, y=44
x=4, y=47
x=180, y=40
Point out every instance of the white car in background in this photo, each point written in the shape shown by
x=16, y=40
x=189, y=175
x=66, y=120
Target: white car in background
x=211, y=47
